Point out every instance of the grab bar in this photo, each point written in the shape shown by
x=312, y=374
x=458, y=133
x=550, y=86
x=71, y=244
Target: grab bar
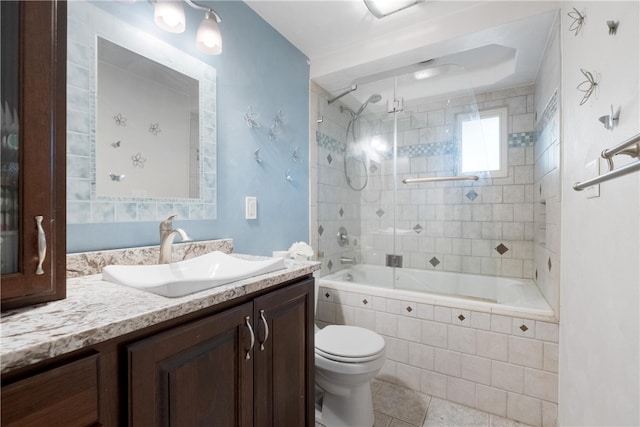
x=440, y=178
x=624, y=170
x=630, y=147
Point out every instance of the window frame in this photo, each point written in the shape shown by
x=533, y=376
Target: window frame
x=503, y=116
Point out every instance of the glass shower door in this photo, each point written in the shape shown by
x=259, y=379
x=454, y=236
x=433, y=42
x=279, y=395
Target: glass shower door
x=355, y=168
x=430, y=214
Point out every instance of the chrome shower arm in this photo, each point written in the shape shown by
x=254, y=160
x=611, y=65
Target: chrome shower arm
x=348, y=91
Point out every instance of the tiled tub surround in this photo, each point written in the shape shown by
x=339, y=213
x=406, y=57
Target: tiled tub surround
x=87, y=263
x=547, y=197
x=333, y=203
x=486, y=227
x=498, y=295
x=95, y=311
x=501, y=363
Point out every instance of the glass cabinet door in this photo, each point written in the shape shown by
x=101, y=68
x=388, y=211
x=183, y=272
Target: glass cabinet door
x=33, y=151
x=10, y=132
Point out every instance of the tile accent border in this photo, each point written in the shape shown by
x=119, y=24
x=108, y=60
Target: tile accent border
x=522, y=139
x=515, y=140
x=331, y=144
x=83, y=204
x=549, y=112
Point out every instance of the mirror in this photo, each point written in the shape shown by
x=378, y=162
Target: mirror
x=141, y=130
x=138, y=144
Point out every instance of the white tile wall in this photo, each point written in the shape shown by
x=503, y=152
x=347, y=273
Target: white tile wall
x=483, y=361
x=328, y=190
x=491, y=400
x=547, y=205
x=503, y=211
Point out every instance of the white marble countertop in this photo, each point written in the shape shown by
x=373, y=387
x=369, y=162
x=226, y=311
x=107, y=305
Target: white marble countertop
x=95, y=311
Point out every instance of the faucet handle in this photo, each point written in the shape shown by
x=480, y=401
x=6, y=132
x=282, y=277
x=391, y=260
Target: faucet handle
x=166, y=224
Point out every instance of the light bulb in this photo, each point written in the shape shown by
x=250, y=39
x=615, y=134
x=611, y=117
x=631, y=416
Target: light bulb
x=169, y=15
x=208, y=37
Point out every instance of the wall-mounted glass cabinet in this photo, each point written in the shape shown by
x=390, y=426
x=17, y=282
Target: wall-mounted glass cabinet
x=33, y=124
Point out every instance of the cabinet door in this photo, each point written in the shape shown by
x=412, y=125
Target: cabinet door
x=194, y=375
x=33, y=152
x=284, y=363
x=62, y=396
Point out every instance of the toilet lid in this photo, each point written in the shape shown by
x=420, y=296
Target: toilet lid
x=348, y=342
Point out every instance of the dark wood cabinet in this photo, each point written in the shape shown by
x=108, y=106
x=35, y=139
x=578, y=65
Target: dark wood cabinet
x=193, y=375
x=63, y=396
x=284, y=361
x=33, y=152
x=250, y=365
x=245, y=362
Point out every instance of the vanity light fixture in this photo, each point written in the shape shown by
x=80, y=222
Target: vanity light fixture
x=208, y=38
x=169, y=15
x=382, y=8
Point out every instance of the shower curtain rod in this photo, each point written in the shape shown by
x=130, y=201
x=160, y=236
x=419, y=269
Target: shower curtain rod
x=440, y=178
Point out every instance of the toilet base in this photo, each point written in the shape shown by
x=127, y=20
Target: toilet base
x=354, y=410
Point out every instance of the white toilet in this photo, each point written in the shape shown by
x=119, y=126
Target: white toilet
x=347, y=359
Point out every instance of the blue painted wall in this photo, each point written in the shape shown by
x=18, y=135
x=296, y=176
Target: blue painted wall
x=259, y=68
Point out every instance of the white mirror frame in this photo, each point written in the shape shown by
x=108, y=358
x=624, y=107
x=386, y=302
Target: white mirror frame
x=85, y=23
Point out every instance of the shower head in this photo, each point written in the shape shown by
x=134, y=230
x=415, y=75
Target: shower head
x=372, y=99
x=376, y=97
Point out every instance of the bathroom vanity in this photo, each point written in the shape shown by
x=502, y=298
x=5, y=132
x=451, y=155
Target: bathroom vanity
x=240, y=354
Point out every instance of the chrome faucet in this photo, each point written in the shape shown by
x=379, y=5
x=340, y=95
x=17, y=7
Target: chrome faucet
x=167, y=234
x=347, y=260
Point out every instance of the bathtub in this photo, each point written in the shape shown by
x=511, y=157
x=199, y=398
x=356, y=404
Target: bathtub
x=497, y=295
x=490, y=343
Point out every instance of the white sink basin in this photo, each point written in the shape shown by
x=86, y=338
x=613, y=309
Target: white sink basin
x=185, y=277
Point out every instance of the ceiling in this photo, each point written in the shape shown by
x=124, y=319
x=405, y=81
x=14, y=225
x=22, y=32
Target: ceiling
x=488, y=44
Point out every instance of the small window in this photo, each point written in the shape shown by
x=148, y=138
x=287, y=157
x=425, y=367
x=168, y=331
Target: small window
x=483, y=142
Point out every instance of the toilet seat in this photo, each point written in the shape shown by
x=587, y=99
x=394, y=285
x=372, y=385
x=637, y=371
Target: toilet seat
x=349, y=344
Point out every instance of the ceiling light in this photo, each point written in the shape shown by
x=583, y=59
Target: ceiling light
x=428, y=73
x=382, y=8
x=169, y=15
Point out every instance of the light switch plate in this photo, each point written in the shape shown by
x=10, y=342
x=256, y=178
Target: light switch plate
x=592, y=169
x=250, y=208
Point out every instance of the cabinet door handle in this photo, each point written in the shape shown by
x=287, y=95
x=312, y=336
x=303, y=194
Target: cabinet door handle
x=266, y=330
x=42, y=245
x=247, y=321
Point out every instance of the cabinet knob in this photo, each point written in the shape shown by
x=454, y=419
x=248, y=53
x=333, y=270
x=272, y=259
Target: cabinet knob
x=266, y=330
x=42, y=245
x=247, y=321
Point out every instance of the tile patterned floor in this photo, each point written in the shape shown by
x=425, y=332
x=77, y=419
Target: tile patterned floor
x=396, y=406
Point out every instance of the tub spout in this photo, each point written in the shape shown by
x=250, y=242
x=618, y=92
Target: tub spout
x=347, y=260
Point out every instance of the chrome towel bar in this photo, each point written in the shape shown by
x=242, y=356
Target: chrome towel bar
x=624, y=170
x=440, y=178
x=630, y=147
